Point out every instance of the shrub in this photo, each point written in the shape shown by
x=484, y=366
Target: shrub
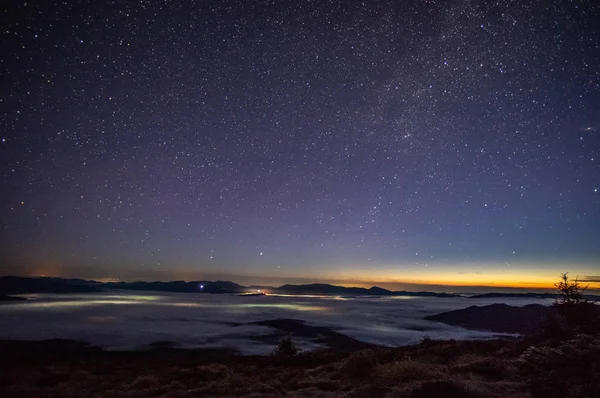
x=426, y=341
x=286, y=347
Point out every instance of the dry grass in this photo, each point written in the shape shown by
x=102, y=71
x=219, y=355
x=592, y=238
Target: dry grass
x=145, y=382
x=487, y=367
x=435, y=369
x=398, y=372
x=567, y=369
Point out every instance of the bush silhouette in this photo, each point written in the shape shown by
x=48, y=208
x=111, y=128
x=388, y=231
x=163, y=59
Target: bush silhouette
x=286, y=347
x=426, y=340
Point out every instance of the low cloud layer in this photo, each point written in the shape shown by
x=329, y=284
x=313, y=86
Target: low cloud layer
x=127, y=320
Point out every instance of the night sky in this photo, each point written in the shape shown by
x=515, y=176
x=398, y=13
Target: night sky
x=453, y=142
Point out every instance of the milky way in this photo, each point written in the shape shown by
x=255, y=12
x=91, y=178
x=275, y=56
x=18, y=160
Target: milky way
x=299, y=137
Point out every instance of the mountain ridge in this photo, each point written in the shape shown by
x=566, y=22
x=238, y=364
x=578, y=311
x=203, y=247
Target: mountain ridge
x=25, y=285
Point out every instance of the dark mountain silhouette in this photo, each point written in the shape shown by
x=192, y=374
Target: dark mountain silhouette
x=76, y=281
x=180, y=286
x=378, y=291
x=498, y=318
x=21, y=285
x=516, y=295
x=528, y=295
x=325, y=289
x=4, y=297
x=321, y=288
x=424, y=294
x=231, y=287
x=300, y=328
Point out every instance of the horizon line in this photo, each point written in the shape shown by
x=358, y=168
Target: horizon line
x=340, y=283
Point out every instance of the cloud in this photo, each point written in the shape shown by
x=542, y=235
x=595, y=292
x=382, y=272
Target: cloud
x=127, y=320
x=590, y=279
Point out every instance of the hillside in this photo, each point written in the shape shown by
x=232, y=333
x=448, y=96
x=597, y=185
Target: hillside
x=441, y=369
x=21, y=285
x=498, y=318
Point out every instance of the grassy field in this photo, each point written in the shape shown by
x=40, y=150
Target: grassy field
x=495, y=368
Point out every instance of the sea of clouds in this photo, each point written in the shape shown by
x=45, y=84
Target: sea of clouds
x=130, y=320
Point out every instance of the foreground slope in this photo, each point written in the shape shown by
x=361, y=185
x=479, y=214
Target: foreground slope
x=477, y=369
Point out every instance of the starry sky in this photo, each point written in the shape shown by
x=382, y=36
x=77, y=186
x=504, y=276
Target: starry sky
x=403, y=142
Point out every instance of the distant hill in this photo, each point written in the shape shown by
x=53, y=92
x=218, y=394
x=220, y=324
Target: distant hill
x=320, y=334
x=261, y=287
x=76, y=281
x=180, y=286
x=231, y=287
x=4, y=297
x=326, y=289
x=497, y=318
x=378, y=291
x=22, y=285
x=516, y=295
x=424, y=294
x=529, y=295
x=320, y=288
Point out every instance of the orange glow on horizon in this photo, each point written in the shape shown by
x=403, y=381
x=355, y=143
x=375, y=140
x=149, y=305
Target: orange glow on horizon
x=515, y=278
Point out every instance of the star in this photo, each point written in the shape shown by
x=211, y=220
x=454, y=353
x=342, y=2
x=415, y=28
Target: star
x=343, y=134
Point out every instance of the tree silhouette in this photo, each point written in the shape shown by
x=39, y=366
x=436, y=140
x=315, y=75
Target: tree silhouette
x=573, y=312
x=570, y=292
